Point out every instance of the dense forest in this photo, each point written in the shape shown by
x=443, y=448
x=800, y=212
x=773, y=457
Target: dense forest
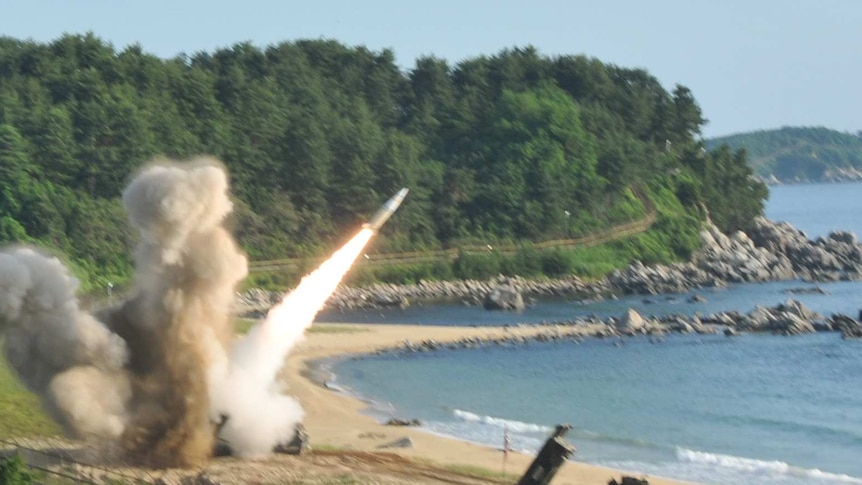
x=514, y=147
x=800, y=154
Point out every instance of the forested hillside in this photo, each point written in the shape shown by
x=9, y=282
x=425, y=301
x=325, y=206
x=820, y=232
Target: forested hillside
x=800, y=154
x=515, y=147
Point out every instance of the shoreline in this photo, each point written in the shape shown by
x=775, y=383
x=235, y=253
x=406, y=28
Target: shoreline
x=769, y=252
x=337, y=419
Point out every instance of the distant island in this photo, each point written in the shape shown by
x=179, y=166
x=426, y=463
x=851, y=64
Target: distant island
x=799, y=154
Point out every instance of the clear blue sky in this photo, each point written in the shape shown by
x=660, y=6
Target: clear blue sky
x=752, y=64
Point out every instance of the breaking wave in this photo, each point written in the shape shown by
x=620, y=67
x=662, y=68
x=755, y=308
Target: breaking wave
x=512, y=425
x=759, y=467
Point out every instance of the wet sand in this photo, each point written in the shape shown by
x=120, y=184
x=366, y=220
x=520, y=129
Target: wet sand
x=336, y=420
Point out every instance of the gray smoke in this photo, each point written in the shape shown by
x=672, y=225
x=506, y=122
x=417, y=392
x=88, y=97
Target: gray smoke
x=135, y=374
x=61, y=352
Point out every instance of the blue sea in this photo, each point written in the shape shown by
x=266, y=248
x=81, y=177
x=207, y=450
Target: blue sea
x=757, y=409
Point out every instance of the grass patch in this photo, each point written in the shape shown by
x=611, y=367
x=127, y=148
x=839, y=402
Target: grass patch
x=20, y=411
x=471, y=470
x=333, y=328
x=344, y=479
x=476, y=471
x=243, y=325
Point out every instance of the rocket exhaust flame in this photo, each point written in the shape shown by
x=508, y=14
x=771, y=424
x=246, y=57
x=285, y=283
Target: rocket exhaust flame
x=255, y=361
x=148, y=377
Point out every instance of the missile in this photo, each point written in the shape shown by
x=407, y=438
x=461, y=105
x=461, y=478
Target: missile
x=383, y=214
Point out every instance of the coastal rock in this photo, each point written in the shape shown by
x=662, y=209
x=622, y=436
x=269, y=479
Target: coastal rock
x=504, y=298
x=403, y=422
x=471, y=292
x=852, y=332
x=799, y=309
x=790, y=324
x=789, y=318
x=299, y=445
x=721, y=259
x=626, y=480
x=848, y=327
x=841, y=322
x=836, y=257
x=404, y=442
x=632, y=321
x=769, y=251
x=807, y=290
x=391, y=300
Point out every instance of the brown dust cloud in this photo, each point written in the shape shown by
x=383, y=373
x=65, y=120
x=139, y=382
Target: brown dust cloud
x=148, y=377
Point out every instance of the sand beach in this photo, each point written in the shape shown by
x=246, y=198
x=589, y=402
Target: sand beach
x=336, y=420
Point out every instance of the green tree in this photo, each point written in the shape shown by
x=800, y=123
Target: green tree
x=14, y=471
x=542, y=166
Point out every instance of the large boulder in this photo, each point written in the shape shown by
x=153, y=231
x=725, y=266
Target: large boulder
x=300, y=444
x=799, y=309
x=632, y=321
x=790, y=324
x=789, y=318
x=404, y=442
x=504, y=297
x=842, y=322
x=852, y=332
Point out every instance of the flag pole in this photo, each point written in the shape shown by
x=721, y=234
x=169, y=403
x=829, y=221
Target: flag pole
x=505, y=447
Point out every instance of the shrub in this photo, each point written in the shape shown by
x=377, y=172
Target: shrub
x=13, y=471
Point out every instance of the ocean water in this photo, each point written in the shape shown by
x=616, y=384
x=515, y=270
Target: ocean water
x=757, y=409
x=817, y=209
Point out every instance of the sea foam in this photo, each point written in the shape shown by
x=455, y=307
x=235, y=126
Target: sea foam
x=512, y=425
x=759, y=467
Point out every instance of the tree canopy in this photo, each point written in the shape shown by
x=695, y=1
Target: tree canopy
x=794, y=154
x=316, y=135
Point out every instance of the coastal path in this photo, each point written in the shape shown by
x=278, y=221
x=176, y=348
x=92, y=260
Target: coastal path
x=603, y=236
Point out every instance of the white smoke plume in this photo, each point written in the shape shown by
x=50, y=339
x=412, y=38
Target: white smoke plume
x=152, y=375
x=136, y=374
x=244, y=387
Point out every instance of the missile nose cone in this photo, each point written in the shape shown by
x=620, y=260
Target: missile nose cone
x=388, y=208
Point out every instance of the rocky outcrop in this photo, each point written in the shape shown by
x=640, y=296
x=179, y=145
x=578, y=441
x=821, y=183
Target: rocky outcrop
x=471, y=292
x=504, y=297
x=848, y=327
x=625, y=480
x=299, y=445
x=654, y=280
x=721, y=260
x=772, y=252
x=254, y=303
x=405, y=442
x=835, y=257
x=788, y=318
x=402, y=422
x=769, y=252
x=631, y=322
